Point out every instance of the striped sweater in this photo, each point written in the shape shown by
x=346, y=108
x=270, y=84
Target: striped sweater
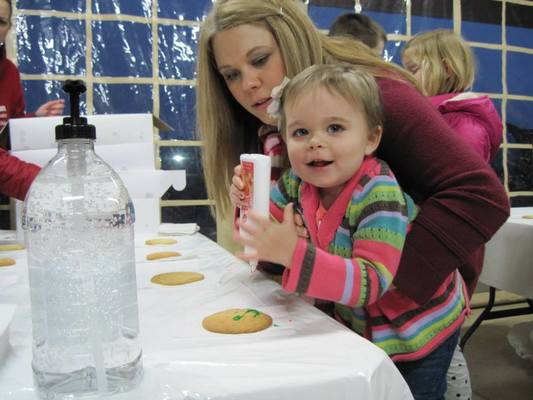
x=353, y=256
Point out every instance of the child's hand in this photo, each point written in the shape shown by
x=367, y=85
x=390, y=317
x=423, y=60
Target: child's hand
x=236, y=193
x=274, y=242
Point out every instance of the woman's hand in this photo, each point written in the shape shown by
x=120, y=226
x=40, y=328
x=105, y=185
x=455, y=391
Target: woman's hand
x=301, y=230
x=270, y=241
x=236, y=192
x=51, y=108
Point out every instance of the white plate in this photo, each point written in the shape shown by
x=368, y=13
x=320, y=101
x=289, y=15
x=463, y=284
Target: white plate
x=6, y=315
x=8, y=236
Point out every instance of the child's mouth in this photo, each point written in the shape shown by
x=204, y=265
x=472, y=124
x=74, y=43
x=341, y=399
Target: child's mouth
x=319, y=163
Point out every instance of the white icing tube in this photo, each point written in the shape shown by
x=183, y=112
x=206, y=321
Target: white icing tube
x=256, y=178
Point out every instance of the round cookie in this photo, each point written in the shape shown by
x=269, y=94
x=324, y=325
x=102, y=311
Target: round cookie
x=14, y=246
x=237, y=320
x=176, y=278
x=6, y=262
x=162, y=254
x=158, y=241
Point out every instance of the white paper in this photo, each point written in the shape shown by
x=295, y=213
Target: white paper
x=178, y=229
x=147, y=214
x=39, y=133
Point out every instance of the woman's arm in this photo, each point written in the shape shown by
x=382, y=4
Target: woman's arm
x=462, y=202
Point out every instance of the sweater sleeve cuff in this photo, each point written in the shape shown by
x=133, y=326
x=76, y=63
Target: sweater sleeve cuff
x=291, y=275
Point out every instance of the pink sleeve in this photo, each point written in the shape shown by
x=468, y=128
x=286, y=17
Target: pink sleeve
x=356, y=281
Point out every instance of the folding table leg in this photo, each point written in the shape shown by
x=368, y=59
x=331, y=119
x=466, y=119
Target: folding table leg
x=479, y=320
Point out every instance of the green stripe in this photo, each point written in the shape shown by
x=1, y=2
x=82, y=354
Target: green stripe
x=381, y=235
x=398, y=345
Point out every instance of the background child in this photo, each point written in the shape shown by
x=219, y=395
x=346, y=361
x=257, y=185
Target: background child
x=357, y=217
x=363, y=28
x=444, y=66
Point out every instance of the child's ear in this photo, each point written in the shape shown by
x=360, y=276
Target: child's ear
x=374, y=139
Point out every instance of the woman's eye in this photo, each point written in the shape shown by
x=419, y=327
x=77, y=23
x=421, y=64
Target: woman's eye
x=230, y=76
x=335, y=128
x=260, y=60
x=299, y=132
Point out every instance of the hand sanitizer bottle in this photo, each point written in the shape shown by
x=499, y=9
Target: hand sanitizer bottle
x=78, y=221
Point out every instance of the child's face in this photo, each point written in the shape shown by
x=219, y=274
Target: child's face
x=413, y=66
x=327, y=139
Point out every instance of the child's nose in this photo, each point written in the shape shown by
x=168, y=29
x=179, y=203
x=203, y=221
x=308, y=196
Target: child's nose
x=315, y=142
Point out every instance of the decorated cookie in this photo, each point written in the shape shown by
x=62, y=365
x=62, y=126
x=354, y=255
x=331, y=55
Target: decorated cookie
x=237, y=320
x=176, y=278
x=6, y=262
x=162, y=254
x=154, y=242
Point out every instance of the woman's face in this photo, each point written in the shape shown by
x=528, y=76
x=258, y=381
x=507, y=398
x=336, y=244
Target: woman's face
x=5, y=21
x=250, y=62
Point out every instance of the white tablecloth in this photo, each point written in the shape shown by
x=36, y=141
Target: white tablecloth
x=304, y=355
x=509, y=255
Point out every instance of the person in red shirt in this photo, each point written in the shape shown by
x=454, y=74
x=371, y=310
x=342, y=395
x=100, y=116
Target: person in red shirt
x=16, y=176
x=11, y=95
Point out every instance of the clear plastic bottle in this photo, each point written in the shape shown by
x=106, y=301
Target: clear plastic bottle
x=78, y=220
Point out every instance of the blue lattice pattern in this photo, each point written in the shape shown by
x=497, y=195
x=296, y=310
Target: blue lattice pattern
x=141, y=54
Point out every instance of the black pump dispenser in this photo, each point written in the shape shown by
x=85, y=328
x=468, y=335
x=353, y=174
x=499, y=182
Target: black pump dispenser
x=75, y=127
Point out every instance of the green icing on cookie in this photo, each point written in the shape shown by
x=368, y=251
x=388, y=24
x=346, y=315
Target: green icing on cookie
x=248, y=310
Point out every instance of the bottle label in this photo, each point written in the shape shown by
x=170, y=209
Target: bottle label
x=248, y=180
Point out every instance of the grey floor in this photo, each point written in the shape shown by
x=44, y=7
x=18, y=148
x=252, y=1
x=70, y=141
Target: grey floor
x=496, y=371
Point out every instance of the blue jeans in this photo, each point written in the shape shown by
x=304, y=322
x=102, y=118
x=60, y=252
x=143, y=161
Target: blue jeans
x=427, y=377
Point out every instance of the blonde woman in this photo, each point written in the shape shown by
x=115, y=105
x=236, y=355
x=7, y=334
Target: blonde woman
x=247, y=47
x=444, y=66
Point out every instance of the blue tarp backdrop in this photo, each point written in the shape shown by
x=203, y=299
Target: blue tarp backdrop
x=139, y=56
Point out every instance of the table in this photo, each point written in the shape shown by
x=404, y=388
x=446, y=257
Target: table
x=304, y=355
x=508, y=265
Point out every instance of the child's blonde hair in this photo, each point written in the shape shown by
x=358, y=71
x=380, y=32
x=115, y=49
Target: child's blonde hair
x=447, y=63
x=356, y=86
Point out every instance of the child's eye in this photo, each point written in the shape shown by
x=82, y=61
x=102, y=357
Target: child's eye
x=299, y=132
x=335, y=128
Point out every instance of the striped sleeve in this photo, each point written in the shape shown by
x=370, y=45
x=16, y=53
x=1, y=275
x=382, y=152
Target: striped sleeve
x=285, y=191
x=377, y=216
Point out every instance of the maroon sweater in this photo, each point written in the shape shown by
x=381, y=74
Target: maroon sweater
x=16, y=176
x=11, y=95
x=462, y=202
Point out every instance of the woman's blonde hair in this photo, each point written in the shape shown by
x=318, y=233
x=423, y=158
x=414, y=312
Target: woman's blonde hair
x=446, y=61
x=355, y=86
x=225, y=128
